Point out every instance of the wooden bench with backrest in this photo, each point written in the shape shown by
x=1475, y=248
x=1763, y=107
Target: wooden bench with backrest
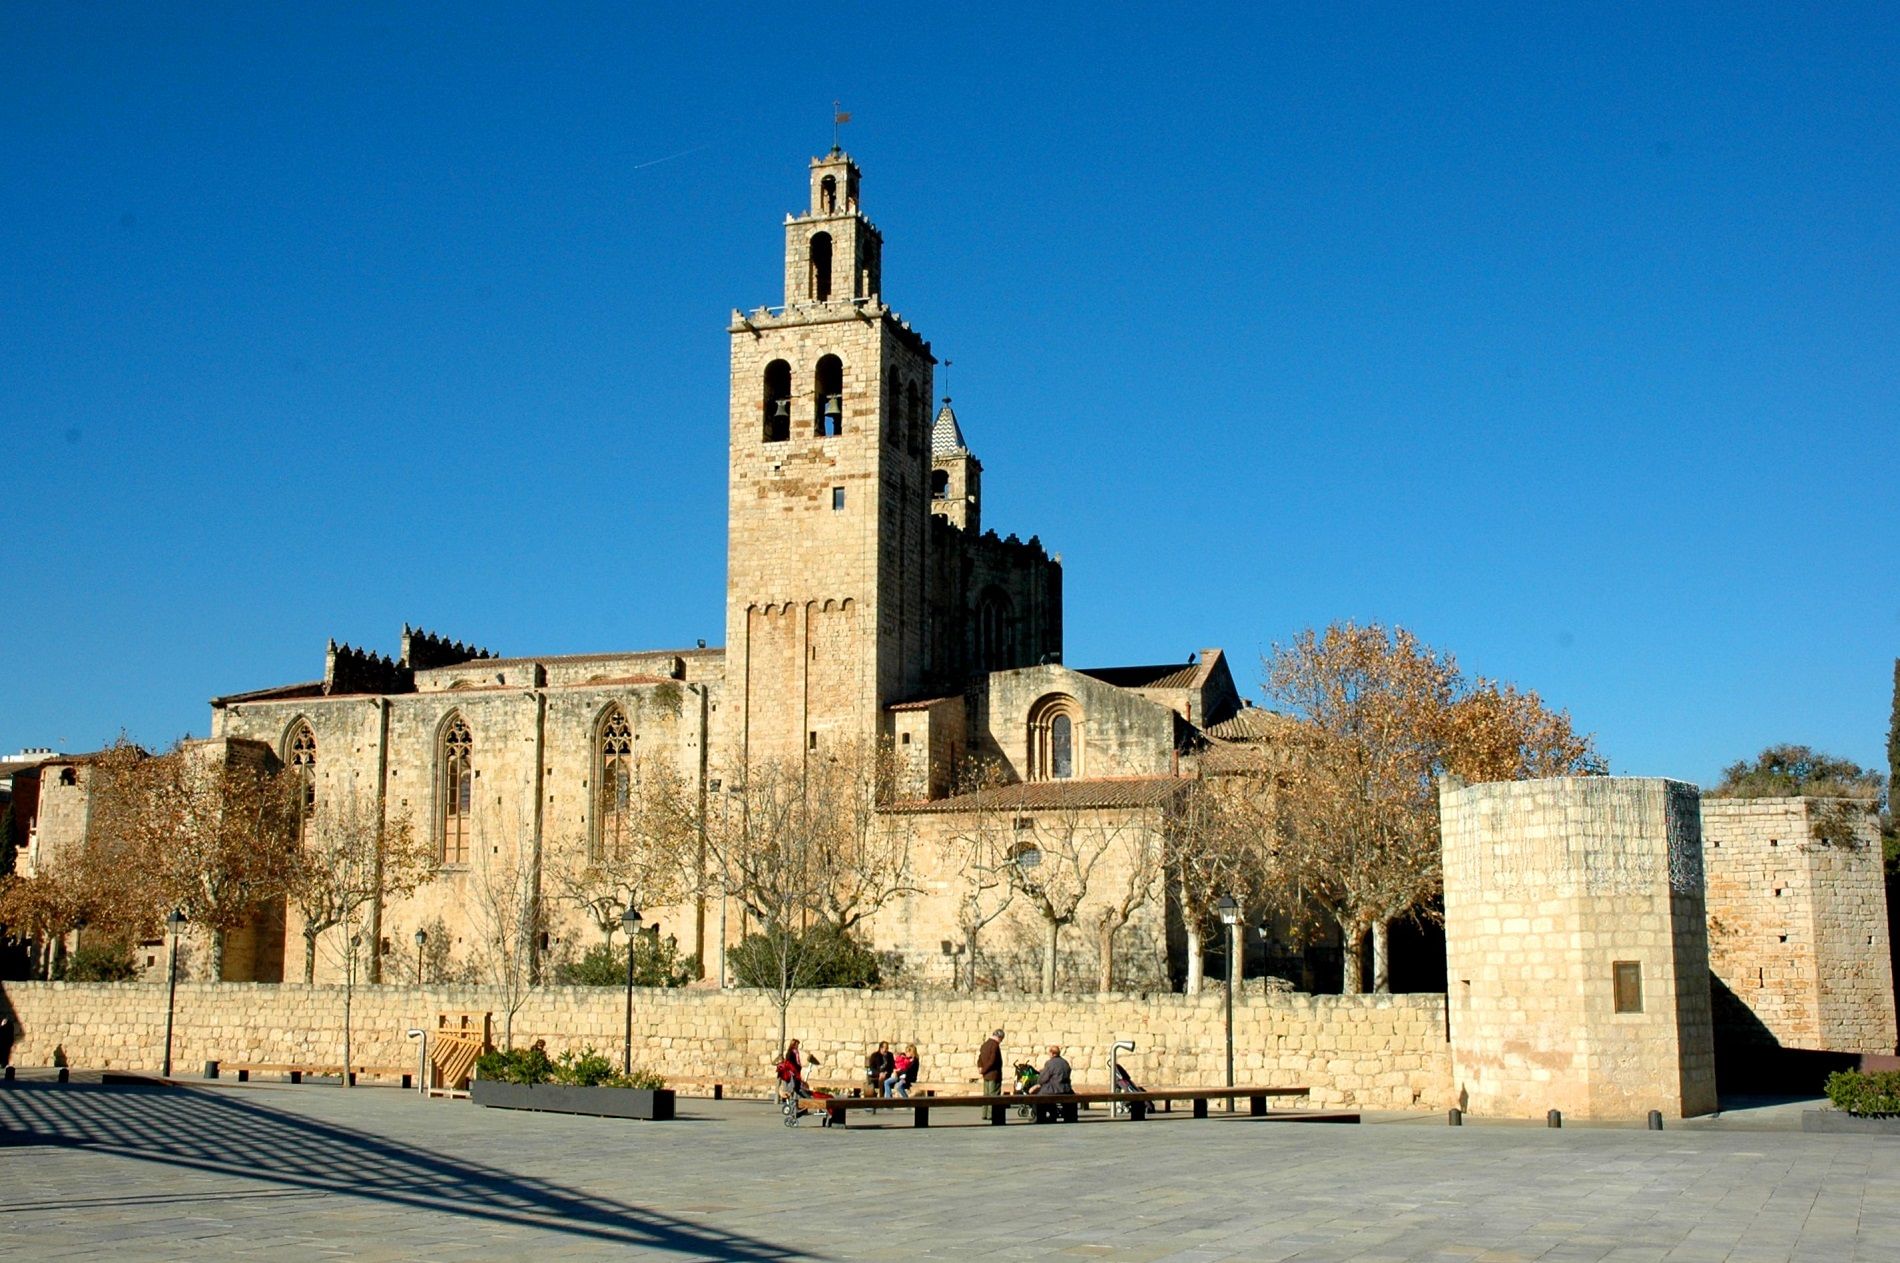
x=837, y=1110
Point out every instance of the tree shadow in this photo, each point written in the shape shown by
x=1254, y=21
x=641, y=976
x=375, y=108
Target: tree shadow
x=209, y=1131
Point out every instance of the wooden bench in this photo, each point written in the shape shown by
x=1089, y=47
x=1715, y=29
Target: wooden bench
x=296, y=1070
x=837, y=1110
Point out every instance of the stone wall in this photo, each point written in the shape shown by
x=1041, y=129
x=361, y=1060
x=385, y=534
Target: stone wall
x=1551, y=888
x=1375, y=1052
x=1798, y=923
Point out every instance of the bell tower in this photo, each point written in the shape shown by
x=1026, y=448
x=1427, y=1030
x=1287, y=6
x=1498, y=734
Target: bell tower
x=828, y=484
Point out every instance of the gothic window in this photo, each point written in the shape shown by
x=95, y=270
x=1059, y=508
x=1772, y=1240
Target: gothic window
x=614, y=776
x=302, y=758
x=1055, y=739
x=457, y=763
x=828, y=405
x=778, y=401
x=821, y=267
x=939, y=484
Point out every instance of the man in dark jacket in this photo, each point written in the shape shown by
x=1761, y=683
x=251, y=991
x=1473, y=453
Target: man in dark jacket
x=989, y=1063
x=1054, y=1081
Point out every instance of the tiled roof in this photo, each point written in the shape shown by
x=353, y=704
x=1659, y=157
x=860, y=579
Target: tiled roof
x=922, y=703
x=1171, y=676
x=1222, y=758
x=946, y=436
x=1116, y=791
x=310, y=688
x=1252, y=723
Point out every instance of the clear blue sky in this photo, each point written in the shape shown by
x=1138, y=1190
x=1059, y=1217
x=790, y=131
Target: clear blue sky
x=1569, y=339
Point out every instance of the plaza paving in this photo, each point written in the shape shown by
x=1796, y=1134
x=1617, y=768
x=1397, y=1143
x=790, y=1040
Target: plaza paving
x=287, y=1173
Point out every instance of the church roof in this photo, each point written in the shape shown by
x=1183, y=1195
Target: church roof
x=1253, y=723
x=1107, y=791
x=1169, y=676
x=946, y=437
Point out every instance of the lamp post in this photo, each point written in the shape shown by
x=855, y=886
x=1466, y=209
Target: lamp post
x=630, y=920
x=1229, y=909
x=422, y=941
x=173, y=920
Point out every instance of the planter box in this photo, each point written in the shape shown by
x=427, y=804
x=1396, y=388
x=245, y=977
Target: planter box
x=557, y=1098
x=1839, y=1121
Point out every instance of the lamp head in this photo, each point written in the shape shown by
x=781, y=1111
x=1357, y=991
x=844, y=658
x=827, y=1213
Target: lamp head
x=1229, y=909
x=630, y=918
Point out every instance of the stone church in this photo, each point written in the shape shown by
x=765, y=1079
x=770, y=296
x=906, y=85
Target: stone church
x=867, y=605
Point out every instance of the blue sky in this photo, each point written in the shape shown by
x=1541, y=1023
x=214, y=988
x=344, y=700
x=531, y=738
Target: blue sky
x=1568, y=338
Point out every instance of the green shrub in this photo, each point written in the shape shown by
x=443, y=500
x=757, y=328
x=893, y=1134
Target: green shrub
x=656, y=963
x=515, y=1065
x=823, y=956
x=1874, y=1095
x=584, y=1069
x=110, y=962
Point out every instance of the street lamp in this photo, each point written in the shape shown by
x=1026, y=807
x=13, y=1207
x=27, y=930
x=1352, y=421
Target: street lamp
x=1229, y=909
x=173, y=921
x=630, y=921
x=422, y=940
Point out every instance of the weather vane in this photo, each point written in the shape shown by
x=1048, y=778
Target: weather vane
x=838, y=119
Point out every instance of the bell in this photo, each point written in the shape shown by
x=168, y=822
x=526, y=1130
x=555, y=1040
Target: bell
x=833, y=408
x=781, y=407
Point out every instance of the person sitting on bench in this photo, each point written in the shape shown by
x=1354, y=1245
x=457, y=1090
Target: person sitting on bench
x=1053, y=1081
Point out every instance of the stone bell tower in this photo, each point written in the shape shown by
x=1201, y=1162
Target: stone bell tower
x=829, y=484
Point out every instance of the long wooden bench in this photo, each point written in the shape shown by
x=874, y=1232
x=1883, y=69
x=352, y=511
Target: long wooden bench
x=837, y=1110
x=296, y=1070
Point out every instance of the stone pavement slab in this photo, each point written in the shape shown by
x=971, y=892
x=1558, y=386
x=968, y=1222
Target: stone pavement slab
x=294, y=1173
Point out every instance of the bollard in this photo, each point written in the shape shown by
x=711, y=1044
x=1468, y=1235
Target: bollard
x=64, y=1074
x=1554, y=1119
x=9, y=1074
x=1655, y=1120
x=1455, y=1118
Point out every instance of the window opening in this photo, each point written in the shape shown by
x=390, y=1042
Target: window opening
x=778, y=401
x=820, y=288
x=303, y=760
x=837, y=499
x=1628, y=977
x=615, y=787
x=458, y=790
x=939, y=484
x=828, y=416
x=1061, y=748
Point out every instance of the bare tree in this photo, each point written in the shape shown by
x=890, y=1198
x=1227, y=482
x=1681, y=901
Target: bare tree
x=1074, y=849
x=862, y=853
x=980, y=849
x=507, y=911
x=639, y=853
x=337, y=869
x=1218, y=838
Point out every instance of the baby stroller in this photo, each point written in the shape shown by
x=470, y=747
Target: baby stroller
x=793, y=1097
x=1124, y=1082
x=1026, y=1079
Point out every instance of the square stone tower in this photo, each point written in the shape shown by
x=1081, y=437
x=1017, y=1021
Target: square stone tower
x=829, y=493
x=1574, y=937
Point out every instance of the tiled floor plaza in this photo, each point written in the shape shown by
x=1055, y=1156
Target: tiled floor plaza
x=313, y=1172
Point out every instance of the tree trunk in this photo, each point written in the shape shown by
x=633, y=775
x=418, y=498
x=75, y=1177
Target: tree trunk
x=1352, y=957
x=309, y=956
x=1049, y=957
x=216, y=971
x=969, y=953
x=1381, y=958
x=1107, y=955
x=1196, y=958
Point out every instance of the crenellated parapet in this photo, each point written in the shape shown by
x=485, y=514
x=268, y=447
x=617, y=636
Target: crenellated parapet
x=424, y=650
x=347, y=669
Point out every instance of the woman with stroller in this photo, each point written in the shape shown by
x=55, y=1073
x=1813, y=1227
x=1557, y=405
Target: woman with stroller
x=791, y=1071
x=903, y=1073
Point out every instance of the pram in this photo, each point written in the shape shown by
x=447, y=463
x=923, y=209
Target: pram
x=1026, y=1078
x=796, y=1100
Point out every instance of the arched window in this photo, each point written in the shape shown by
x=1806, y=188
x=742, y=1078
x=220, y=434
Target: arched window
x=939, y=484
x=301, y=756
x=828, y=407
x=778, y=401
x=894, y=414
x=995, y=625
x=828, y=195
x=913, y=414
x=457, y=797
x=614, y=770
x=1056, y=747
x=820, y=267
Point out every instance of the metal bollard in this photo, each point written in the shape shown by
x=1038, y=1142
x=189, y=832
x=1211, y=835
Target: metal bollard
x=65, y=1075
x=1455, y=1118
x=1554, y=1119
x=1655, y=1120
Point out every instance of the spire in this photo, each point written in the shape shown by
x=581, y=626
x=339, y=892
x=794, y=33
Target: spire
x=946, y=437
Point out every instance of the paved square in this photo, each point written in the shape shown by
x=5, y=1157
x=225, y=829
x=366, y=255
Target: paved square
x=316, y=1172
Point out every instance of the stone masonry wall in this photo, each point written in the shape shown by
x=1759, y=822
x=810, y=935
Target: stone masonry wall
x=1798, y=925
x=1375, y=1052
x=1549, y=886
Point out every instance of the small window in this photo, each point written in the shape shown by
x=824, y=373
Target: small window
x=811, y=741
x=1629, y=986
x=837, y=499
x=68, y=776
x=904, y=739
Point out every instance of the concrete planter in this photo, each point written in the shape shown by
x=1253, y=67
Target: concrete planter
x=556, y=1098
x=1841, y=1122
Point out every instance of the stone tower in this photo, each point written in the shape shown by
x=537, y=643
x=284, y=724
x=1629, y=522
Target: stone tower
x=829, y=485
x=956, y=477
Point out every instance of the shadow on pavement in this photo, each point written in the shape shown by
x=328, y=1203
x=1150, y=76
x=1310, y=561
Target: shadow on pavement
x=211, y=1132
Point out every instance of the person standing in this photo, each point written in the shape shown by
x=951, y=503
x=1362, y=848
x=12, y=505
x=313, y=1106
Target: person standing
x=989, y=1063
